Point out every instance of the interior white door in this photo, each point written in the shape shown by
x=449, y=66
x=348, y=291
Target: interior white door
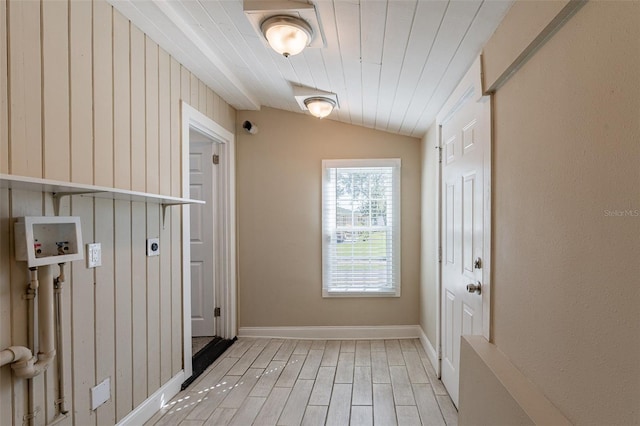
x=464, y=136
x=203, y=186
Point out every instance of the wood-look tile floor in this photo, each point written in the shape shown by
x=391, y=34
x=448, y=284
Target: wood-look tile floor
x=314, y=382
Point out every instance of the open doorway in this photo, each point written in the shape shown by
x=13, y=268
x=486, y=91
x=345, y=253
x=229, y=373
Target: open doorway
x=208, y=241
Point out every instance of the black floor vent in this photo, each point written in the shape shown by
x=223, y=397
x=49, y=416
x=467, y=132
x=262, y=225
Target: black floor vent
x=205, y=357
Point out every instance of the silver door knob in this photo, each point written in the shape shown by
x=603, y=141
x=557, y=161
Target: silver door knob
x=474, y=288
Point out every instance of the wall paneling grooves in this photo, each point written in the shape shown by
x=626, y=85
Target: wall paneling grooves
x=86, y=97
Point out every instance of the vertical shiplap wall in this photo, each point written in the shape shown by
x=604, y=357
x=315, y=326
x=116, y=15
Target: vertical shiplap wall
x=86, y=97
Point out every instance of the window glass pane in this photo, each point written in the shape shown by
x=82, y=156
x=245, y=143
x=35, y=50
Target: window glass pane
x=361, y=225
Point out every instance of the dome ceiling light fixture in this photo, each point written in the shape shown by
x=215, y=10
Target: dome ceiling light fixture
x=287, y=35
x=318, y=102
x=319, y=106
x=288, y=27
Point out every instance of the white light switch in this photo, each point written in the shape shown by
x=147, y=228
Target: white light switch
x=100, y=393
x=94, y=255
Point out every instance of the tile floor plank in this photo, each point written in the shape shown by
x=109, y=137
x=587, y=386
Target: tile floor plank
x=221, y=417
x=348, y=346
x=377, y=345
x=340, y=405
x=267, y=354
x=311, y=364
x=239, y=348
x=427, y=405
x=384, y=412
x=321, y=393
x=212, y=376
x=290, y=373
x=240, y=391
x=380, y=367
x=191, y=423
x=363, y=353
x=361, y=415
x=314, y=382
x=362, y=386
x=209, y=400
x=331, y=351
x=245, y=361
x=402, y=392
x=295, y=406
x=436, y=383
x=318, y=344
x=268, y=379
x=272, y=407
x=248, y=411
x=344, y=371
x=302, y=348
x=448, y=410
x=285, y=351
x=408, y=415
x=315, y=415
x=417, y=373
x=394, y=354
x=408, y=345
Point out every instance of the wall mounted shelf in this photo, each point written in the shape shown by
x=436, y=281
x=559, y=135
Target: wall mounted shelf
x=63, y=189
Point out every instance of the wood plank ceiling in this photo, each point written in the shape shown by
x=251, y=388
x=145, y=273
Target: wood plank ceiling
x=392, y=63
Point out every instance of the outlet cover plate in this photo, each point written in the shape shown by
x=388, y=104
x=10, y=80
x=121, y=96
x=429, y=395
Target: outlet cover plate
x=100, y=393
x=153, y=246
x=94, y=255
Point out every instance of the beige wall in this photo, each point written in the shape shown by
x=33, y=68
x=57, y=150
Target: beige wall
x=566, y=151
x=429, y=240
x=565, y=159
x=279, y=220
x=101, y=106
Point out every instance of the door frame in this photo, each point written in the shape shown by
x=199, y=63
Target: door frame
x=226, y=227
x=469, y=86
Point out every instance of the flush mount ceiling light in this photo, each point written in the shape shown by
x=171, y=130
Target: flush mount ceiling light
x=286, y=35
x=286, y=26
x=318, y=102
x=319, y=106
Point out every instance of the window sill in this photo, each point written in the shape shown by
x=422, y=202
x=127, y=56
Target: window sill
x=360, y=293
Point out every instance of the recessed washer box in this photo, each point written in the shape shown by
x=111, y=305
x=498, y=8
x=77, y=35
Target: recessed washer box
x=47, y=240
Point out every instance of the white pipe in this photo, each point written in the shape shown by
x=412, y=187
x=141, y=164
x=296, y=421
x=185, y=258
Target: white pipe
x=59, y=341
x=15, y=354
x=26, y=365
x=46, y=315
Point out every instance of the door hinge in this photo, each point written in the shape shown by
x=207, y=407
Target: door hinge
x=216, y=159
x=216, y=312
x=439, y=154
x=440, y=254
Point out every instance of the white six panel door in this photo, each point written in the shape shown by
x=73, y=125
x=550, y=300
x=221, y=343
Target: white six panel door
x=463, y=140
x=203, y=250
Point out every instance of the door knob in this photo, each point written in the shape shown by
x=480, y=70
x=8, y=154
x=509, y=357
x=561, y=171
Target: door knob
x=474, y=288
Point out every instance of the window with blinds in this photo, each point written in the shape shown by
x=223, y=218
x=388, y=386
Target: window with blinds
x=361, y=227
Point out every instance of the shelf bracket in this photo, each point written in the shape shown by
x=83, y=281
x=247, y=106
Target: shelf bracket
x=164, y=212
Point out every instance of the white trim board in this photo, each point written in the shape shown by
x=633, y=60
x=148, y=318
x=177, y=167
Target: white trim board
x=194, y=119
x=432, y=354
x=155, y=402
x=334, y=333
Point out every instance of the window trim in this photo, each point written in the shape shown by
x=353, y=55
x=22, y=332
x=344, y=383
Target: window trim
x=396, y=164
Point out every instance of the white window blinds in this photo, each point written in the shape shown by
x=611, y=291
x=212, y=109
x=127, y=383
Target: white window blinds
x=361, y=227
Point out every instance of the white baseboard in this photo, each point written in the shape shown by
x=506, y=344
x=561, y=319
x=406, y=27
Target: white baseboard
x=151, y=405
x=334, y=333
x=432, y=354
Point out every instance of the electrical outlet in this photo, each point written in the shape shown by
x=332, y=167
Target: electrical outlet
x=94, y=255
x=100, y=393
x=153, y=247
